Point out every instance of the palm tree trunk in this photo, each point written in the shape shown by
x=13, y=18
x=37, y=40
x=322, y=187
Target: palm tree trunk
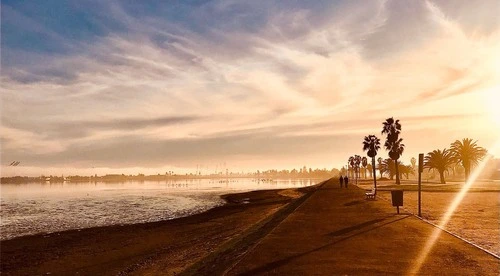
x=374, y=175
x=467, y=171
x=397, y=172
x=441, y=176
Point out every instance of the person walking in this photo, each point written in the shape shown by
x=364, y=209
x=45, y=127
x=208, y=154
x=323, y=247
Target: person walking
x=341, y=180
x=346, y=180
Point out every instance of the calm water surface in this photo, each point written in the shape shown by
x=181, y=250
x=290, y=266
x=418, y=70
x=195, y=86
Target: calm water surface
x=50, y=207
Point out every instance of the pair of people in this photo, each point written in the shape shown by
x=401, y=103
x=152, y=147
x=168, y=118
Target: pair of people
x=343, y=180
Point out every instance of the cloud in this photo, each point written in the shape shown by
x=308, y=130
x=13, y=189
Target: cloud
x=477, y=16
x=139, y=151
x=26, y=143
x=191, y=75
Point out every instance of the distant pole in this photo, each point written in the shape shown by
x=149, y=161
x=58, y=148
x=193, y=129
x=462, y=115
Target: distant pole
x=420, y=170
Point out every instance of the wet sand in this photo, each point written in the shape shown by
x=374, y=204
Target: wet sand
x=165, y=247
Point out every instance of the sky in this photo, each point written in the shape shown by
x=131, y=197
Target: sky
x=150, y=86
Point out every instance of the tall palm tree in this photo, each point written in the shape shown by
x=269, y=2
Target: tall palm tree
x=395, y=152
x=440, y=161
x=467, y=153
x=357, y=163
x=392, y=128
x=371, y=144
x=393, y=143
x=352, y=164
x=364, y=163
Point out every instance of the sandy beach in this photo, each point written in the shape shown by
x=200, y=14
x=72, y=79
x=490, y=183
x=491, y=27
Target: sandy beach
x=166, y=247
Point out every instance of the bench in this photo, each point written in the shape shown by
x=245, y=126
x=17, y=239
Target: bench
x=371, y=194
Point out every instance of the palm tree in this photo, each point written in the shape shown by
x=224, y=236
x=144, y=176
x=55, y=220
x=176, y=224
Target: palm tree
x=406, y=170
x=379, y=164
x=391, y=128
x=403, y=170
x=364, y=163
x=393, y=143
x=413, y=162
x=351, y=163
x=467, y=153
x=389, y=167
x=371, y=144
x=440, y=161
x=357, y=163
x=369, y=168
x=343, y=171
x=457, y=170
x=395, y=153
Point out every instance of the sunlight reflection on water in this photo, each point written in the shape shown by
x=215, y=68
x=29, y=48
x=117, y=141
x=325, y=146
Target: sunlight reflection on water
x=50, y=207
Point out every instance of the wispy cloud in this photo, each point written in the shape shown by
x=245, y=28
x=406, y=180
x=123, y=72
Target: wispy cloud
x=190, y=76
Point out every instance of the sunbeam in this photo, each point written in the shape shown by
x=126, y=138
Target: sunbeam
x=423, y=254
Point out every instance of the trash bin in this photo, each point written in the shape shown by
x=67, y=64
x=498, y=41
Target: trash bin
x=397, y=198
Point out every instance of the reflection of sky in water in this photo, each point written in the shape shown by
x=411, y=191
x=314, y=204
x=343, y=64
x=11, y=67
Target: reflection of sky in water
x=44, y=207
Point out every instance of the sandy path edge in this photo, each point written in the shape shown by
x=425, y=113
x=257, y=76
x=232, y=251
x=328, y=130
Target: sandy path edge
x=231, y=252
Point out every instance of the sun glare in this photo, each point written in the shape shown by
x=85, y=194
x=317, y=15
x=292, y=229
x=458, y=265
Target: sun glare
x=427, y=248
x=492, y=98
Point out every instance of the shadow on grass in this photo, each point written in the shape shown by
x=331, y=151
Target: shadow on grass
x=276, y=264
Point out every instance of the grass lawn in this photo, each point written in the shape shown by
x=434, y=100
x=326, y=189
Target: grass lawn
x=476, y=219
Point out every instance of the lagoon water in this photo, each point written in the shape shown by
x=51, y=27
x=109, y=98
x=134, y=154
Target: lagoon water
x=34, y=208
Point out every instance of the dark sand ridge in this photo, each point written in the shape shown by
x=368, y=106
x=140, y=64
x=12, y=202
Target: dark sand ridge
x=337, y=232
x=158, y=248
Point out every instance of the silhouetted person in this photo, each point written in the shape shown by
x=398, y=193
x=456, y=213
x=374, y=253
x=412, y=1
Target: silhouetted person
x=341, y=179
x=346, y=180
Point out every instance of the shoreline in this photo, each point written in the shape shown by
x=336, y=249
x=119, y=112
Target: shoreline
x=22, y=180
x=167, y=245
x=49, y=208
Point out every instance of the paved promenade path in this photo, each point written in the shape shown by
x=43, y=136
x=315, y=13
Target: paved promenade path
x=337, y=232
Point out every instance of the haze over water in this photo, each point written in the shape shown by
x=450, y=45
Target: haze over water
x=50, y=207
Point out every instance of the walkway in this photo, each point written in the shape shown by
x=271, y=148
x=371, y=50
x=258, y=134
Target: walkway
x=337, y=232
